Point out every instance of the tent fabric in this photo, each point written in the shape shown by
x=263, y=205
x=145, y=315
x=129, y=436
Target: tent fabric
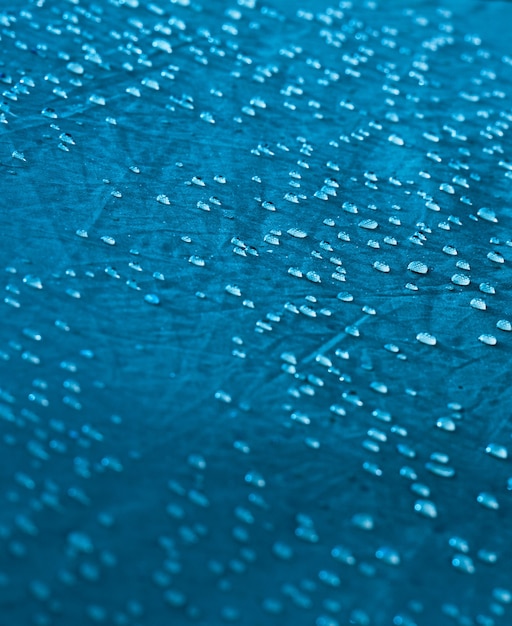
x=255, y=340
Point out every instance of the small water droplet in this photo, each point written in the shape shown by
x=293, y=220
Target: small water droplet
x=459, y=544
x=463, y=563
x=488, y=501
x=446, y=423
x=418, y=267
x=75, y=68
x=426, y=338
x=460, y=279
x=151, y=298
x=382, y=267
x=487, y=214
x=478, y=303
x=426, y=508
x=497, y=450
x=489, y=340
x=388, y=555
x=163, y=199
x=496, y=257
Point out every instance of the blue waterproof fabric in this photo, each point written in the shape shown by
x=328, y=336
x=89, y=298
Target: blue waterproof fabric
x=255, y=338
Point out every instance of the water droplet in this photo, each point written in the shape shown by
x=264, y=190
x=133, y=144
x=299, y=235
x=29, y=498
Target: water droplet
x=80, y=542
x=152, y=298
x=450, y=250
x=297, y=233
x=487, y=214
x=426, y=508
x=329, y=578
x=502, y=595
x=417, y=267
x=223, y=396
x=33, y=281
x=488, y=501
x=504, y=325
x=460, y=279
x=395, y=139
x=368, y=224
x=163, y=199
x=343, y=555
x=496, y=257
x=497, y=450
x=478, y=303
x=426, y=338
x=487, y=288
x=379, y=387
x=463, y=563
x=459, y=544
x=364, y=521
x=487, y=556
x=443, y=471
x=446, y=423
x=381, y=266
x=388, y=555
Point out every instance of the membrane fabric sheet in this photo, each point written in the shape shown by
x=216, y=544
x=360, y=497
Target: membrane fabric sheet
x=255, y=340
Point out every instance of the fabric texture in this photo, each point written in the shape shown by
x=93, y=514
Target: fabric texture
x=255, y=339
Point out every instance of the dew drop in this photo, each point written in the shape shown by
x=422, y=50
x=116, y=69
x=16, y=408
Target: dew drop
x=463, y=563
x=489, y=340
x=460, y=279
x=75, y=68
x=488, y=501
x=446, y=423
x=426, y=338
x=382, y=267
x=388, y=555
x=504, y=325
x=33, y=281
x=163, y=199
x=417, y=267
x=426, y=508
x=478, y=303
x=496, y=257
x=487, y=214
x=497, y=450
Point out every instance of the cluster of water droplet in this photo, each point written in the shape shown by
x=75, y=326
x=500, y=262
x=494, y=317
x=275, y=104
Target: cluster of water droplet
x=320, y=293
